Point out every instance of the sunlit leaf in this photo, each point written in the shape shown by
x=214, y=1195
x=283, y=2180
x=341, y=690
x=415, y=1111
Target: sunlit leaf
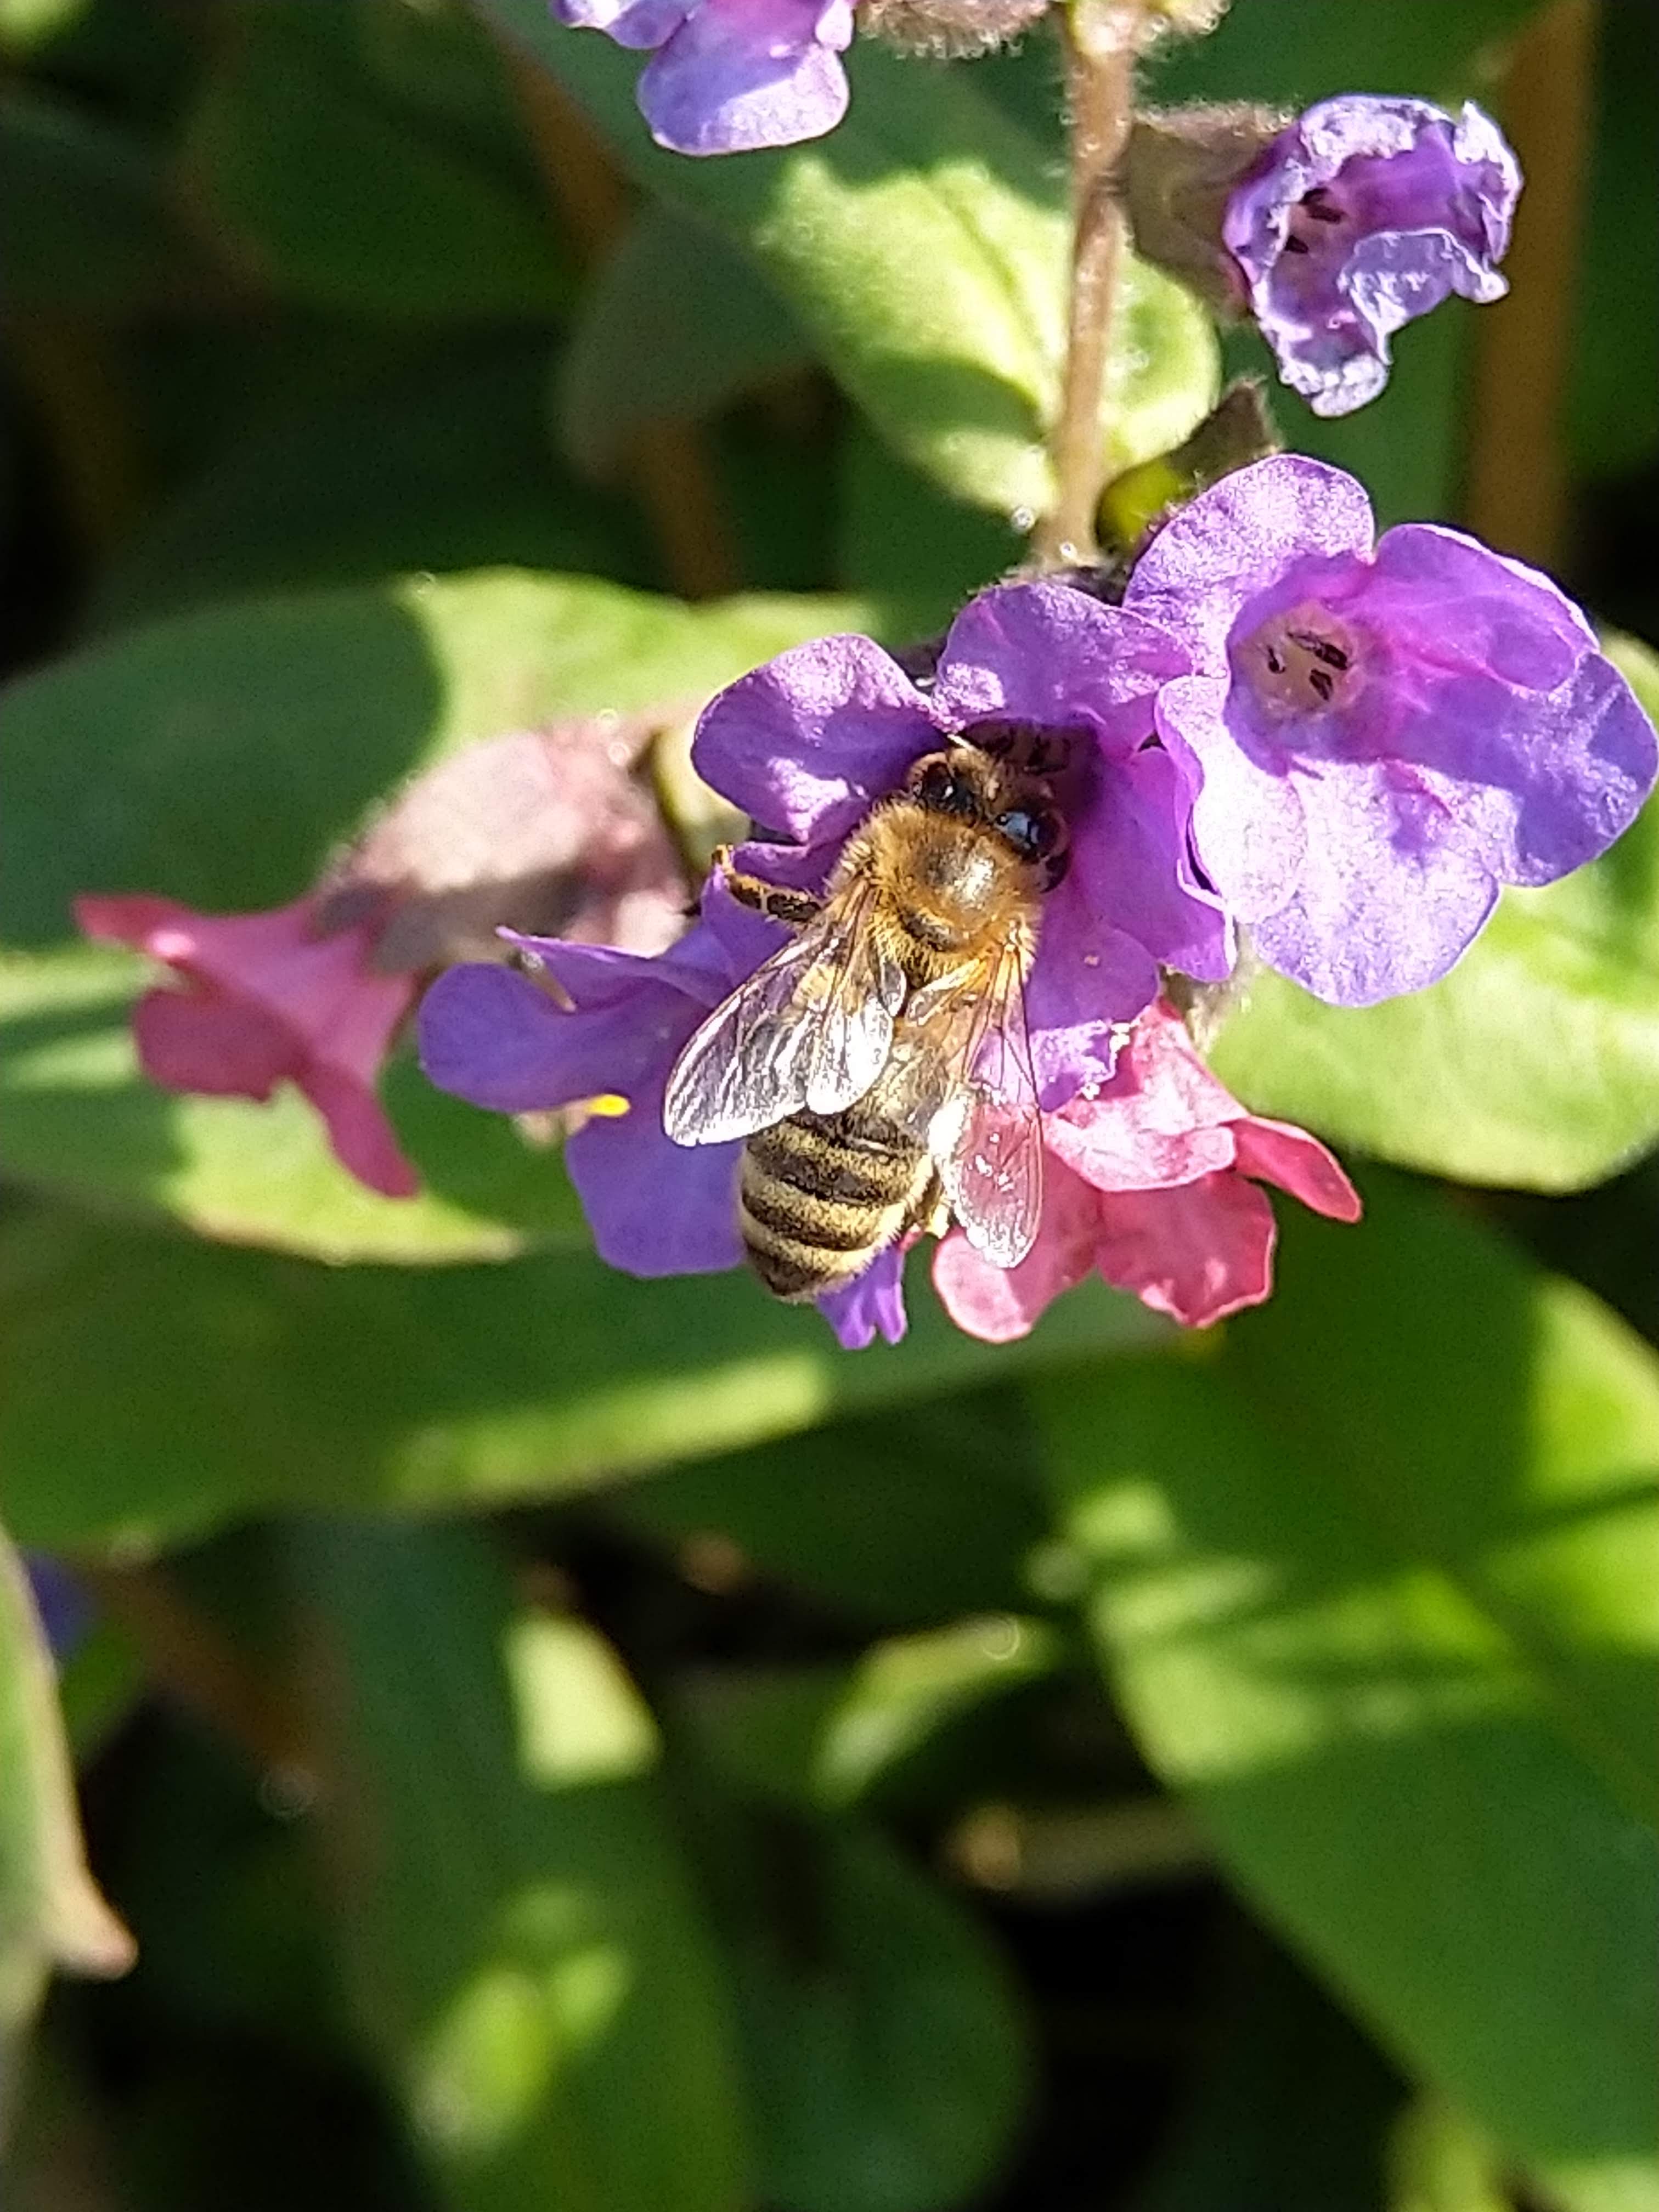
x=923, y=246
x=220, y=758
x=1377, y=1581
x=186, y=1385
x=51, y=1913
x=527, y=1955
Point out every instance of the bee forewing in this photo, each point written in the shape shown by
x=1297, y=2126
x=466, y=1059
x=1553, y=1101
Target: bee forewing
x=813, y=1028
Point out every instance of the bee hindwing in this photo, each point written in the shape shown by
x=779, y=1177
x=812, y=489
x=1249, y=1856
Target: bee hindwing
x=965, y=1085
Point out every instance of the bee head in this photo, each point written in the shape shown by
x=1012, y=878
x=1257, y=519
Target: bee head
x=978, y=785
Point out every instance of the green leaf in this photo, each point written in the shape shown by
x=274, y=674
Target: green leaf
x=230, y=750
x=677, y=324
x=911, y=1518
x=923, y=246
x=86, y=226
x=155, y=1388
x=1376, y=1583
x=1441, y=2164
x=77, y=1117
x=886, y=2056
x=1534, y=1064
x=824, y=1738
x=1614, y=398
x=908, y=543
x=528, y=1958
x=1288, y=2108
x=229, y=753
x=440, y=465
x=51, y=1913
x=338, y=200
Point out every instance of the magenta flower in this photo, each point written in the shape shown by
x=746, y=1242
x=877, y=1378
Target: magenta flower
x=1149, y=1183
x=1388, y=731
x=265, y=1000
x=728, y=76
x=543, y=826
x=807, y=743
x=1364, y=214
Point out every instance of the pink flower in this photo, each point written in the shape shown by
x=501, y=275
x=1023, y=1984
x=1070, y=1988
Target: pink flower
x=1149, y=1183
x=268, y=1000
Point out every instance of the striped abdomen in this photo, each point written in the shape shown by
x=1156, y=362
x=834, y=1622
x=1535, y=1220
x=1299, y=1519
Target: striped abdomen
x=820, y=1195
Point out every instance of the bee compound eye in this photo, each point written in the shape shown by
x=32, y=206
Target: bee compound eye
x=937, y=786
x=1032, y=831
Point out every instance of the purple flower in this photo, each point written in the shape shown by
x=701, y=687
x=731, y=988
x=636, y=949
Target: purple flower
x=730, y=76
x=61, y=1600
x=809, y=743
x=610, y=1028
x=1365, y=213
x=1387, y=732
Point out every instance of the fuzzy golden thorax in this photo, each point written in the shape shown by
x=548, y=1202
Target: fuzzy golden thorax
x=953, y=886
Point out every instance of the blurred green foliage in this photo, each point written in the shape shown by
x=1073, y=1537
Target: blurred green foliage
x=571, y=1742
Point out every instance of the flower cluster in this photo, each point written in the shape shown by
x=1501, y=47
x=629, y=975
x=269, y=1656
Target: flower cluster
x=1333, y=231
x=1343, y=742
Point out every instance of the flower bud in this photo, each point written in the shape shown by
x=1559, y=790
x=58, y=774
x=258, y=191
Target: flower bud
x=1237, y=430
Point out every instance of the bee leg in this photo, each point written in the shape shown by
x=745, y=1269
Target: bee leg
x=930, y=1213
x=775, y=901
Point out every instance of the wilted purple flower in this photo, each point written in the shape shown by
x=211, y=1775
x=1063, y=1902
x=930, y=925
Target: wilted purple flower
x=809, y=743
x=1387, y=732
x=1365, y=213
x=728, y=76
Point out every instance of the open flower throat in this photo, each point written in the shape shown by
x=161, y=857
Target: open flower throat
x=1303, y=662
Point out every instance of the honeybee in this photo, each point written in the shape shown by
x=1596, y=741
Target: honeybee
x=878, y=1066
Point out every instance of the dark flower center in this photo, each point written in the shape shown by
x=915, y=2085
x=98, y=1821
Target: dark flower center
x=1304, y=662
x=1313, y=222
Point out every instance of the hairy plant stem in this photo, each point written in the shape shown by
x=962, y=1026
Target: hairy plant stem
x=1100, y=52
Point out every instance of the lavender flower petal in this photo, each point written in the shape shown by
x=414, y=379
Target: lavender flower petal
x=808, y=743
x=635, y=23
x=870, y=1305
x=740, y=74
x=1192, y=578
x=1384, y=737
